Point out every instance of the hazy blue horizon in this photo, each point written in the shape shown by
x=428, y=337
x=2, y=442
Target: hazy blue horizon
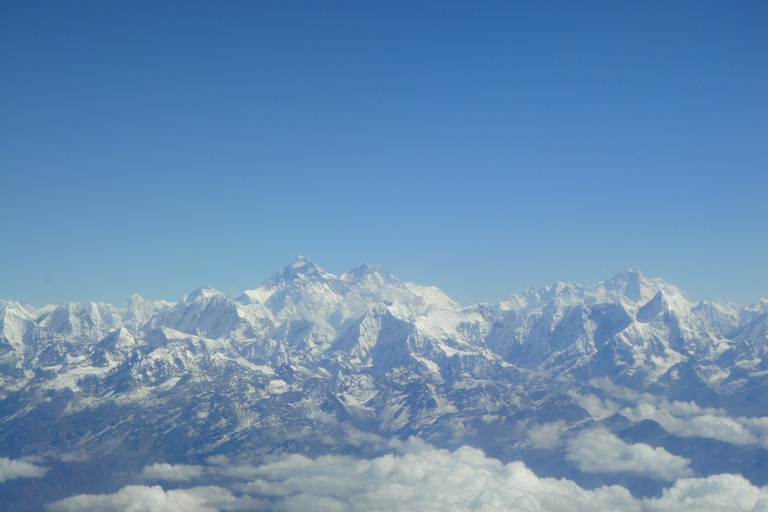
x=155, y=147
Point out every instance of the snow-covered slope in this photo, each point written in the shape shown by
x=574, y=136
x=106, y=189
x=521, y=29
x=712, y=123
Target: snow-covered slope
x=308, y=357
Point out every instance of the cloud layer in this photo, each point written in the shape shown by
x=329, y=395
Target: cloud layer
x=682, y=418
x=10, y=469
x=420, y=477
x=140, y=498
x=599, y=451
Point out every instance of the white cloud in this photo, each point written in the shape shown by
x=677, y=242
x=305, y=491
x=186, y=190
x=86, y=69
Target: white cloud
x=690, y=420
x=686, y=419
x=615, y=390
x=715, y=493
x=18, y=468
x=421, y=477
x=425, y=478
x=172, y=472
x=73, y=457
x=597, y=408
x=759, y=427
x=599, y=451
x=360, y=438
x=140, y=498
x=218, y=460
x=546, y=436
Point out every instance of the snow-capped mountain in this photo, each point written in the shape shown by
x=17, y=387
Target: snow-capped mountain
x=310, y=362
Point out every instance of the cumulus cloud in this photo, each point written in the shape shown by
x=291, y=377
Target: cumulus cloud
x=172, y=472
x=712, y=494
x=418, y=477
x=597, y=408
x=546, y=436
x=140, y=498
x=19, y=468
x=599, y=451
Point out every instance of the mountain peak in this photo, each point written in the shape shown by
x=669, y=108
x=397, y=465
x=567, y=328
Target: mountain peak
x=652, y=308
x=629, y=282
x=204, y=292
x=634, y=285
x=134, y=300
x=363, y=270
x=301, y=261
x=300, y=267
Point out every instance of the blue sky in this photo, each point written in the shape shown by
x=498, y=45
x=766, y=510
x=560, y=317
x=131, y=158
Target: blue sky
x=481, y=147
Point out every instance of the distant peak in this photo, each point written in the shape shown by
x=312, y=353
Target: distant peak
x=301, y=267
x=204, y=292
x=629, y=282
x=759, y=305
x=134, y=300
x=631, y=272
x=363, y=270
x=301, y=261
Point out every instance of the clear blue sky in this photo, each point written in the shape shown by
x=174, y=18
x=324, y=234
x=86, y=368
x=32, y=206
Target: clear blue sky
x=152, y=147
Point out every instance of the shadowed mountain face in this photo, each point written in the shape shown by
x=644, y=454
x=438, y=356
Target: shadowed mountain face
x=312, y=363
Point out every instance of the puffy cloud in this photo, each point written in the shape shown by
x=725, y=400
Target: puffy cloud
x=599, y=451
x=546, y=436
x=681, y=418
x=140, y=498
x=360, y=438
x=715, y=493
x=18, y=468
x=690, y=420
x=597, y=408
x=172, y=472
x=425, y=478
x=420, y=477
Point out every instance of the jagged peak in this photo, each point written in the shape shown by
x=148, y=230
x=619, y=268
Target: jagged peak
x=301, y=261
x=628, y=285
x=366, y=269
x=301, y=267
x=664, y=301
x=135, y=301
x=637, y=287
x=560, y=292
x=721, y=306
x=204, y=292
x=651, y=309
x=120, y=333
x=19, y=308
x=629, y=282
x=759, y=305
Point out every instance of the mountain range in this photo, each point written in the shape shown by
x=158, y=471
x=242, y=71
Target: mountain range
x=312, y=363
